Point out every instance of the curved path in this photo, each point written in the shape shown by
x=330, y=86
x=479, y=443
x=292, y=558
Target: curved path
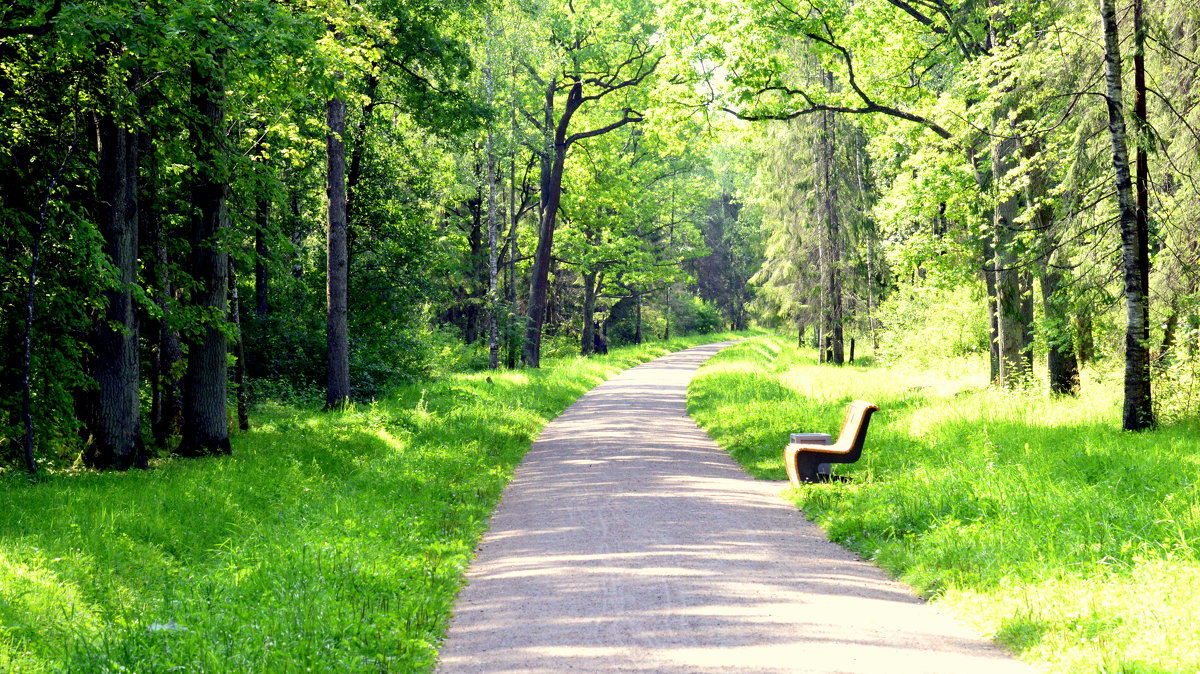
x=628, y=541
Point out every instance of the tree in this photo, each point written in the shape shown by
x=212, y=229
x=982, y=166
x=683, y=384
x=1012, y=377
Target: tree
x=1138, y=413
x=600, y=59
x=205, y=425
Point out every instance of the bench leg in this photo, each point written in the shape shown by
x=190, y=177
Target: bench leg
x=802, y=467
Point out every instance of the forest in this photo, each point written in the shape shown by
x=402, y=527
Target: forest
x=475, y=184
x=219, y=214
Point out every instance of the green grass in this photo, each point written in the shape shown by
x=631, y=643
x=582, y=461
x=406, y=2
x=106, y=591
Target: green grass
x=326, y=543
x=1073, y=543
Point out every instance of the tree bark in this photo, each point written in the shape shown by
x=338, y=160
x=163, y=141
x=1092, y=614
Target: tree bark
x=1086, y=347
x=588, y=339
x=1010, y=327
x=552, y=160
x=115, y=424
x=337, y=390
x=205, y=425
x=637, y=328
x=1061, y=364
x=1138, y=414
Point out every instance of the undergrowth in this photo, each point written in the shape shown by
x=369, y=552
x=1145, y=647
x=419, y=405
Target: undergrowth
x=326, y=542
x=1073, y=543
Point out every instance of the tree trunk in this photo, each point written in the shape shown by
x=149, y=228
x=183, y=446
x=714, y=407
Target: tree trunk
x=1010, y=324
x=337, y=390
x=831, y=263
x=116, y=423
x=1083, y=334
x=637, y=329
x=1169, y=332
x=1138, y=413
x=205, y=425
x=1143, y=165
x=588, y=339
x=553, y=157
x=1061, y=364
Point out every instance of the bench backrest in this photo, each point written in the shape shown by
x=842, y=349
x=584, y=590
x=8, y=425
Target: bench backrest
x=854, y=428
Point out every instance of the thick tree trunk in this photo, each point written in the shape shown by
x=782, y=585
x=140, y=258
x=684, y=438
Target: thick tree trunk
x=116, y=423
x=553, y=157
x=1138, y=413
x=205, y=425
x=1061, y=364
x=337, y=389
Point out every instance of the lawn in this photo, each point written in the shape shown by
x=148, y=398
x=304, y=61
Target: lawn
x=1073, y=543
x=326, y=542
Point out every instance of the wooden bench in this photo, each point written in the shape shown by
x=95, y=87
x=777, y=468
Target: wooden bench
x=804, y=460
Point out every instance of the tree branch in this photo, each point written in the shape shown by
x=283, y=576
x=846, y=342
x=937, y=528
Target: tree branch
x=40, y=29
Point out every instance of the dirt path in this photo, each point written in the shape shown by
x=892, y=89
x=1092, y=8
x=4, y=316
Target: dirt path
x=628, y=541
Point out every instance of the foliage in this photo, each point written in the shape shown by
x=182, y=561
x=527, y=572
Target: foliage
x=1030, y=517
x=923, y=324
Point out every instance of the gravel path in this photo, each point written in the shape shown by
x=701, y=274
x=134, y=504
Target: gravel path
x=628, y=541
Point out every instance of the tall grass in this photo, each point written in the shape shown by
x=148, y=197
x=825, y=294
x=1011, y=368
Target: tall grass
x=1074, y=543
x=326, y=543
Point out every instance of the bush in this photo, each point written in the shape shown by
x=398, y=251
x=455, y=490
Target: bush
x=924, y=324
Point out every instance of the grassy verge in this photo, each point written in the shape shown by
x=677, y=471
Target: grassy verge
x=327, y=542
x=1073, y=543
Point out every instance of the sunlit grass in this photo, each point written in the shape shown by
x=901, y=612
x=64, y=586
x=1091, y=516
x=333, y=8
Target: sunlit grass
x=326, y=543
x=1072, y=542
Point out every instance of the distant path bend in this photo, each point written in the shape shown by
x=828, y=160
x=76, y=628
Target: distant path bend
x=628, y=541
